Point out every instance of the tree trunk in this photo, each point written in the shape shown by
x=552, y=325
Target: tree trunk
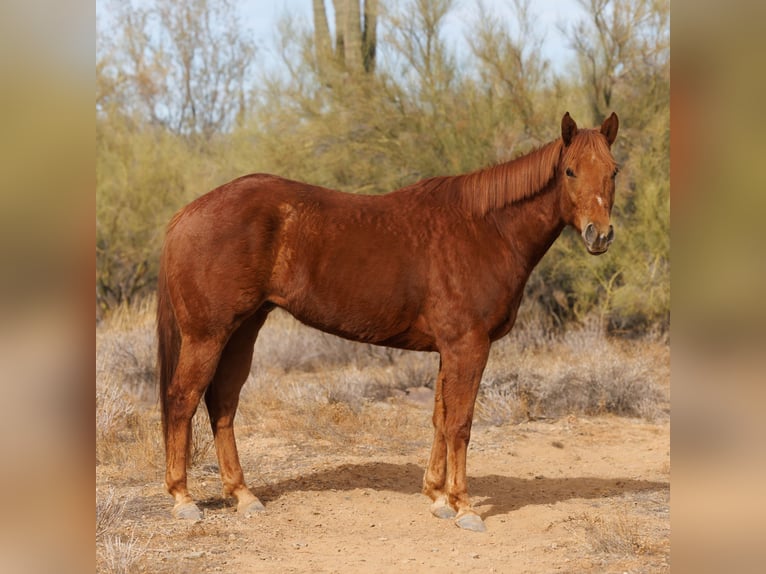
x=322, y=45
x=340, y=28
x=353, y=36
x=369, y=35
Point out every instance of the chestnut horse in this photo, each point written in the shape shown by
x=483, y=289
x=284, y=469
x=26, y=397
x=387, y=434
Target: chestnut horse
x=436, y=266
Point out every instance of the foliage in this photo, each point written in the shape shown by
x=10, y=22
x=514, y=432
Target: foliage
x=624, y=65
x=396, y=106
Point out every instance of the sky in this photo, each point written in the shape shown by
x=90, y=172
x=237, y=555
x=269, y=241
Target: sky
x=261, y=16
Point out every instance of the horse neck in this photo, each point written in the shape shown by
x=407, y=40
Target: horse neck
x=530, y=226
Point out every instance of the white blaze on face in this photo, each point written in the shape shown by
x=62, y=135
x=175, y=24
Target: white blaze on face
x=600, y=200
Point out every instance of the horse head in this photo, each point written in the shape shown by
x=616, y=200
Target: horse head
x=586, y=175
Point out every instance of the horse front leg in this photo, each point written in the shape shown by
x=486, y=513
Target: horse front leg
x=436, y=472
x=462, y=364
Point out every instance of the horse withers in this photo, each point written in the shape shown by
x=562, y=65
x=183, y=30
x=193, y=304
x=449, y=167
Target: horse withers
x=439, y=266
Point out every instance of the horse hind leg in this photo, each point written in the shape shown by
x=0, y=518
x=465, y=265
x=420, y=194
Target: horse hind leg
x=196, y=365
x=222, y=399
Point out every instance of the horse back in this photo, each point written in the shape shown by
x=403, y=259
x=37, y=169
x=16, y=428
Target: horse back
x=348, y=264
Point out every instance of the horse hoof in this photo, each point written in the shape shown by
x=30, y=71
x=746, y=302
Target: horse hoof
x=443, y=511
x=187, y=511
x=471, y=522
x=251, y=508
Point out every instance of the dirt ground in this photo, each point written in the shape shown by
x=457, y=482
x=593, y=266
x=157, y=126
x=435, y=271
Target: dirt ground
x=577, y=494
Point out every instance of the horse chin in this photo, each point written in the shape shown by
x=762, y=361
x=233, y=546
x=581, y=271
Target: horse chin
x=597, y=251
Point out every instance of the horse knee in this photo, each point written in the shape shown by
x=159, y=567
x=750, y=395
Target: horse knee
x=459, y=430
x=182, y=405
x=218, y=407
x=221, y=422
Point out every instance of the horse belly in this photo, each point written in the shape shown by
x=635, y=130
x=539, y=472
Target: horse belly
x=373, y=303
x=351, y=271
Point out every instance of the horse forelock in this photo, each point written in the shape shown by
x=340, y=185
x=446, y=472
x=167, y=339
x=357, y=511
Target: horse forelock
x=590, y=141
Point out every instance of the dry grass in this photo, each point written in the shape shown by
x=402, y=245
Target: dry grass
x=127, y=348
x=114, y=408
x=109, y=511
x=127, y=433
x=621, y=535
x=306, y=382
x=116, y=554
x=580, y=372
x=128, y=427
x=343, y=406
x=120, y=555
x=285, y=344
x=618, y=535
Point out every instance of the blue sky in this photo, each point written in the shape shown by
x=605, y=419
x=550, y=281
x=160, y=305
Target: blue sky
x=261, y=16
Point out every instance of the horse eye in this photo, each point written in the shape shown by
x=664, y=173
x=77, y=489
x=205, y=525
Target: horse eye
x=615, y=172
x=570, y=173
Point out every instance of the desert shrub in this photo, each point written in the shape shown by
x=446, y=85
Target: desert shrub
x=109, y=511
x=127, y=348
x=120, y=555
x=619, y=535
x=285, y=346
x=582, y=372
x=284, y=343
x=115, y=411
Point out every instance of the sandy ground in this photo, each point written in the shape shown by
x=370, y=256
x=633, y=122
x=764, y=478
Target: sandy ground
x=578, y=494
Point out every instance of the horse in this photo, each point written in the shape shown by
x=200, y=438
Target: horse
x=437, y=266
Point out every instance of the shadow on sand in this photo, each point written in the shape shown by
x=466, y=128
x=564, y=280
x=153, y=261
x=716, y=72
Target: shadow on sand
x=501, y=494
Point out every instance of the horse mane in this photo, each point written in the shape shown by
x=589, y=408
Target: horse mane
x=499, y=185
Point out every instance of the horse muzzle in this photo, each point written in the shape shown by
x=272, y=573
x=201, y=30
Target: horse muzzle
x=597, y=241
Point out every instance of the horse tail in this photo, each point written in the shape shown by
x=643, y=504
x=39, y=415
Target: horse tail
x=168, y=343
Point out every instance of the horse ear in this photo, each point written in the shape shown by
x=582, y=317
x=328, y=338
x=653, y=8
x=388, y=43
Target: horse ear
x=609, y=128
x=568, y=129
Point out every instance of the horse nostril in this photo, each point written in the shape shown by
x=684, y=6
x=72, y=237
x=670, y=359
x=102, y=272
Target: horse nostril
x=590, y=233
x=610, y=234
